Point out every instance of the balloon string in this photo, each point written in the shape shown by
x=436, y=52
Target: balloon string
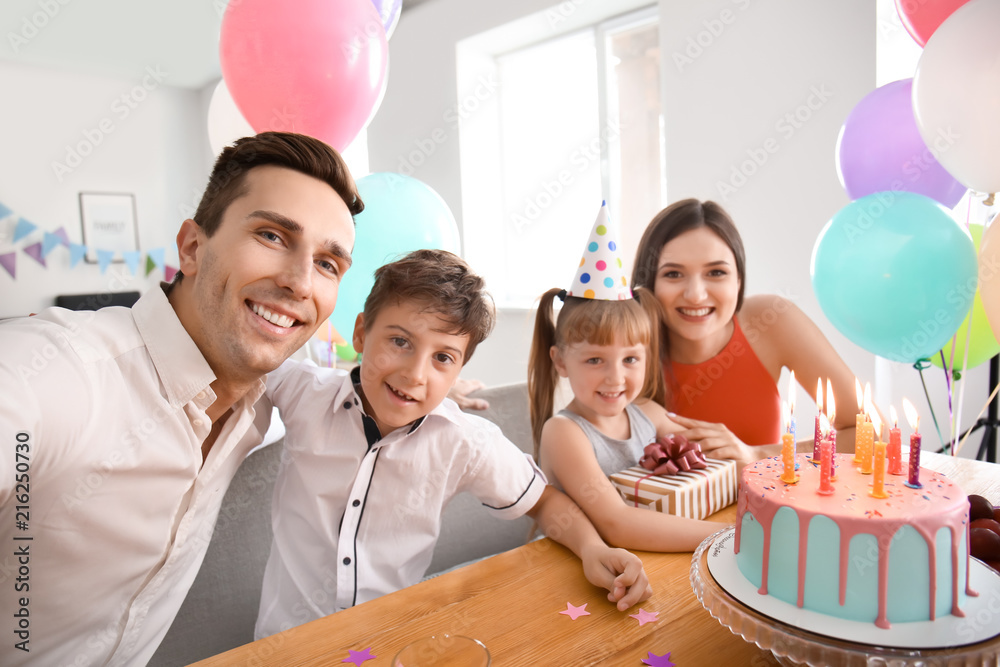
x=930, y=406
x=978, y=417
x=948, y=386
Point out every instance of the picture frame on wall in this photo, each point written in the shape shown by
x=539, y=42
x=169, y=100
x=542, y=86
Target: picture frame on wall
x=109, y=223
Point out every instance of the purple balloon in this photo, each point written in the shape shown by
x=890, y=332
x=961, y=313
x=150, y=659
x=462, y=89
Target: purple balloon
x=389, y=11
x=880, y=149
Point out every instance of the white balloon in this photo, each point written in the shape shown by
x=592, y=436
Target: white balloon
x=956, y=95
x=226, y=123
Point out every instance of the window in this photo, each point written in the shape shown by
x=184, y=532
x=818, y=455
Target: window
x=575, y=120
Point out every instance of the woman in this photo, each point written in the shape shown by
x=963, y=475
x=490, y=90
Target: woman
x=723, y=354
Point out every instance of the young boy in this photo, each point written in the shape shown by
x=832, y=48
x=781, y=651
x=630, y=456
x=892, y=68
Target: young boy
x=373, y=456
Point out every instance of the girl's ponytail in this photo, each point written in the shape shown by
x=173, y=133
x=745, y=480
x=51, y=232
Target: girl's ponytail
x=542, y=375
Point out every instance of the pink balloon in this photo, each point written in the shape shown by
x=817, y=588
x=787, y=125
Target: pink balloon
x=922, y=17
x=315, y=67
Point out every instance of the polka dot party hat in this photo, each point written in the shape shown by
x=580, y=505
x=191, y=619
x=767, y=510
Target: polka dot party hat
x=600, y=274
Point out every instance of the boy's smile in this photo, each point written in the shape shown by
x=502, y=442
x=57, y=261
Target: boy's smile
x=409, y=363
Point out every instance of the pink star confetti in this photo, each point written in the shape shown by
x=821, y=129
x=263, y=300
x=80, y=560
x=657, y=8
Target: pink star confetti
x=658, y=660
x=575, y=612
x=359, y=657
x=644, y=617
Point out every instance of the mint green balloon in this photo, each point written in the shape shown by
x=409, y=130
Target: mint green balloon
x=895, y=274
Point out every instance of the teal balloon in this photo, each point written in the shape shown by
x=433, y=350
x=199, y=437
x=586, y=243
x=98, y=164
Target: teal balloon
x=895, y=273
x=401, y=214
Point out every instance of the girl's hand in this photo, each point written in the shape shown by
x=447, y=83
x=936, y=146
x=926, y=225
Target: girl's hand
x=620, y=572
x=717, y=441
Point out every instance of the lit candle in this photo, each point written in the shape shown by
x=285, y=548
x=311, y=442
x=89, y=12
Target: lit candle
x=895, y=445
x=791, y=404
x=788, y=475
x=859, y=420
x=825, y=464
x=913, y=481
x=818, y=437
x=878, y=483
x=831, y=413
x=867, y=434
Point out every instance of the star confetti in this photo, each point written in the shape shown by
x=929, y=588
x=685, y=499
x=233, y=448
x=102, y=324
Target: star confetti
x=359, y=657
x=644, y=617
x=658, y=660
x=575, y=612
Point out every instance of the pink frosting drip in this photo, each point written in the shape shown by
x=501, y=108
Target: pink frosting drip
x=939, y=504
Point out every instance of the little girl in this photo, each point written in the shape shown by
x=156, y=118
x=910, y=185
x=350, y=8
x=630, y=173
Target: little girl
x=605, y=344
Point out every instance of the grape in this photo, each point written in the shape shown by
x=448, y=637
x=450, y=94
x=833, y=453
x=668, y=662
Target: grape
x=984, y=544
x=980, y=508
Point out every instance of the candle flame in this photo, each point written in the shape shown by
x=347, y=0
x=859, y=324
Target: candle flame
x=819, y=395
x=824, y=424
x=893, y=417
x=861, y=396
x=876, y=423
x=912, y=418
x=867, y=400
x=791, y=391
x=786, y=418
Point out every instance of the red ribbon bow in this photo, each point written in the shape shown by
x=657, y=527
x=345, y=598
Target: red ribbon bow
x=671, y=454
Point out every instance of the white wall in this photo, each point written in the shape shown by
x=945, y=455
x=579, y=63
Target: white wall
x=758, y=62
x=157, y=150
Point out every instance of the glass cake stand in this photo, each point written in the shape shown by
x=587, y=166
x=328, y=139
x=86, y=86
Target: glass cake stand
x=795, y=646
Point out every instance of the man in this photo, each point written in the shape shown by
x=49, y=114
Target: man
x=124, y=427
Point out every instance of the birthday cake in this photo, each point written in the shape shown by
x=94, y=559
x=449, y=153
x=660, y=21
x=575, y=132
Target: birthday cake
x=888, y=560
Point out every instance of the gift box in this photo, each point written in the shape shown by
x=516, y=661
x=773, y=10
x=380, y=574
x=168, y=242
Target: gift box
x=694, y=494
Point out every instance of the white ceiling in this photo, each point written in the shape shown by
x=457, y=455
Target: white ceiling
x=118, y=38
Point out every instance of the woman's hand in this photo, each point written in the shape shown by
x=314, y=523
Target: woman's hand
x=460, y=394
x=717, y=441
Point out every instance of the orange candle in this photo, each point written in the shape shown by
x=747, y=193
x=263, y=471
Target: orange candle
x=788, y=475
x=859, y=420
x=895, y=445
x=868, y=433
x=878, y=483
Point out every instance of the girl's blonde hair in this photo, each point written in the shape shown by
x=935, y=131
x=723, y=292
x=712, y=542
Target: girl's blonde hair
x=596, y=322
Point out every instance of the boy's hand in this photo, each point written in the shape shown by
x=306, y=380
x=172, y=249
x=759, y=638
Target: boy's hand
x=620, y=572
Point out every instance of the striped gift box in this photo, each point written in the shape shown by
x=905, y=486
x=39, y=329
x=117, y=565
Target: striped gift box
x=695, y=494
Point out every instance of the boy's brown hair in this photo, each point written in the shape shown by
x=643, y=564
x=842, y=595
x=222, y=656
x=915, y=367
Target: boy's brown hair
x=442, y=283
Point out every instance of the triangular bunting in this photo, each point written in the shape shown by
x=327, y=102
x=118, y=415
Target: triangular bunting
x=132, y=261
x=76, y=253
x=34, y=251
x=150, y=264
x=8, y=261
x=168, y=273
x=104, y=259
x=157, y=255
x=63, y=236
x=49, y=241
x=22, y=229
x=4, y=211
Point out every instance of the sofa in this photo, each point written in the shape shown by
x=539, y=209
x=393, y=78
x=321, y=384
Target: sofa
x=221, y=608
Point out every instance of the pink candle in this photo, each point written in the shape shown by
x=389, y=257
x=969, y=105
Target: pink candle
x=878, y=484
x=895, y=446
x=825, y=467
x=913, y=481
x=819, y=410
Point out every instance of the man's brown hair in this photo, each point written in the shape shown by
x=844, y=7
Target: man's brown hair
x=302, y=153
x=442, y=283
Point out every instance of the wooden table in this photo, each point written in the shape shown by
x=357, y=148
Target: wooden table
x=511, y=602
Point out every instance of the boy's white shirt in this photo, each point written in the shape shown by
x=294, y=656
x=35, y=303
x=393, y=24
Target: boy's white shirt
x=353, y=522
